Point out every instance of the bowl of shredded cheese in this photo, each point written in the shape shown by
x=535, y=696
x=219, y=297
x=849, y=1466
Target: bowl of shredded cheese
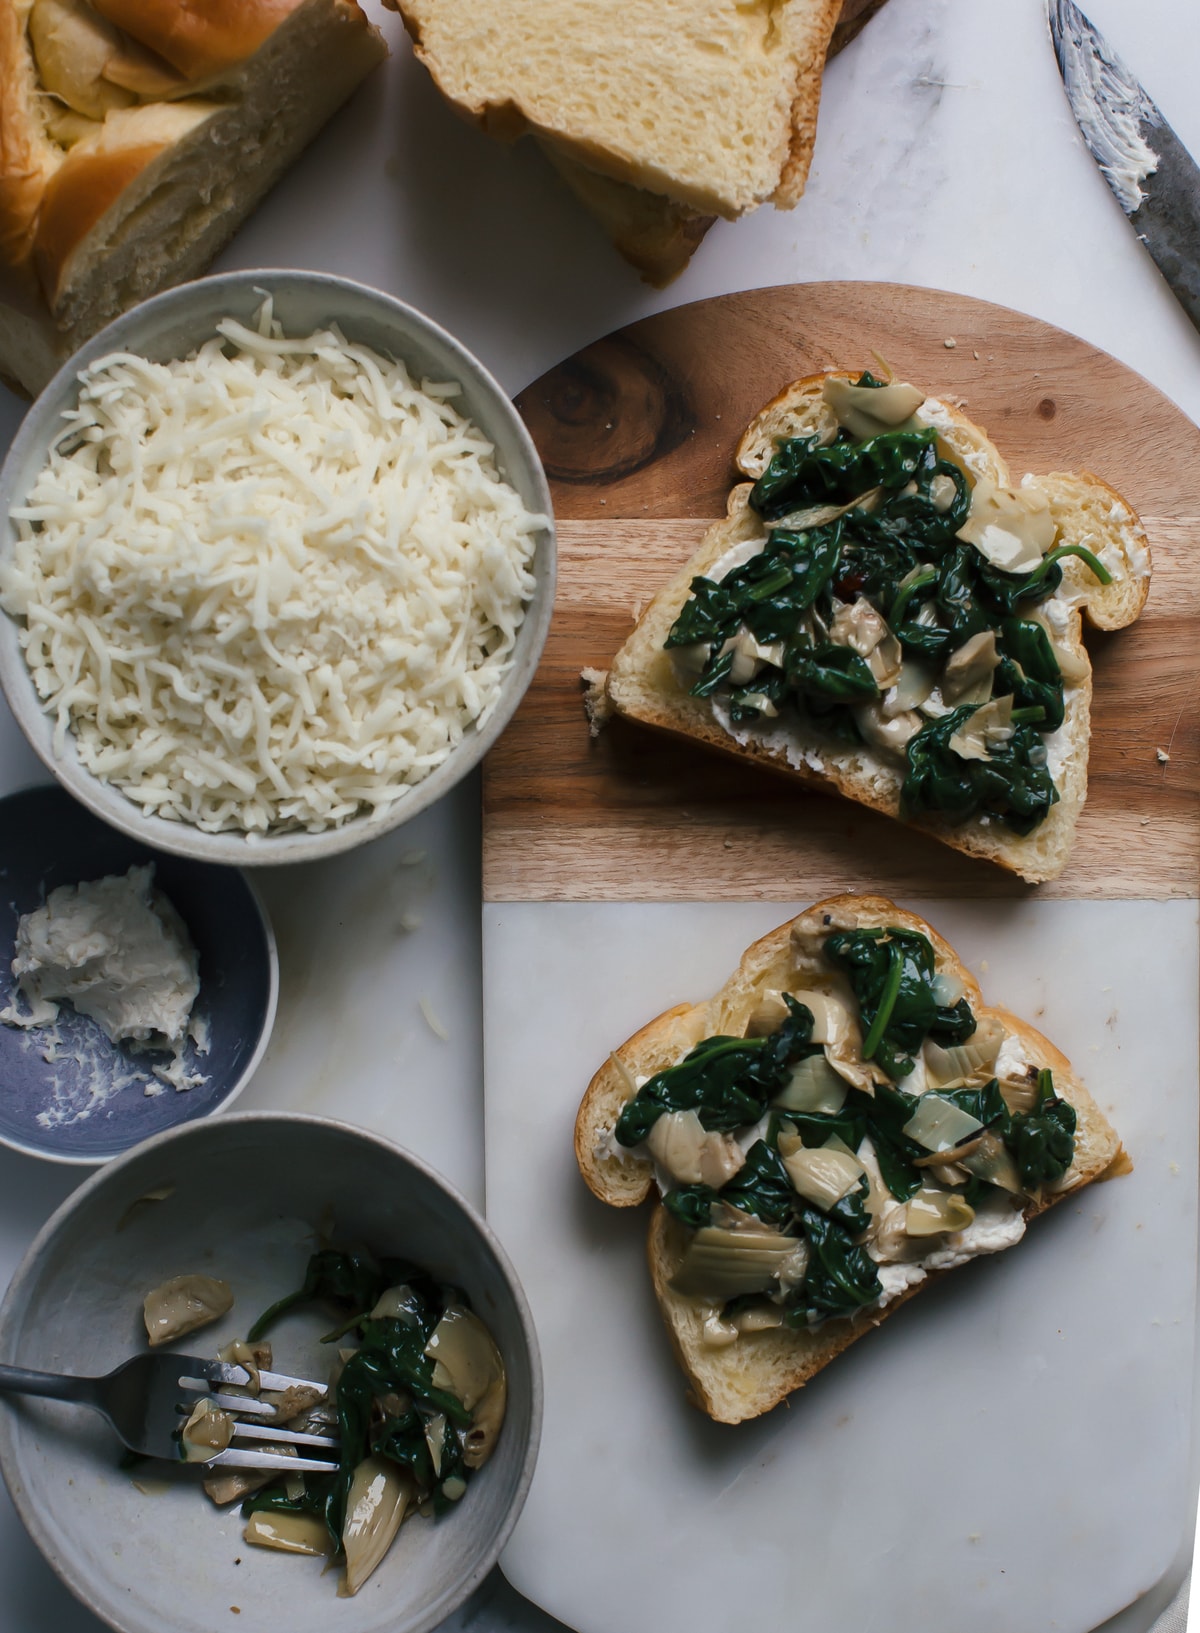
x=277, y=559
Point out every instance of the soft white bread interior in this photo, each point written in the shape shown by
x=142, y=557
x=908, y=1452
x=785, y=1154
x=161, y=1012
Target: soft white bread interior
x=661, y=120
x=656, y=233
x=762, y=1368
x=644, y=684
x=136, y=135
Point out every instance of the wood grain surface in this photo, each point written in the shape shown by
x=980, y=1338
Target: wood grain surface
x=637, y=433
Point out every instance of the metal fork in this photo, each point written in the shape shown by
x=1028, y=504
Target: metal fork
x=145, y=1401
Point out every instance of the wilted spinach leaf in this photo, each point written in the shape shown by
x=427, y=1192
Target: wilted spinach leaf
x=727, y=1082
x=1014, y=785
x=761, y=1186
x=1043, y=1140
x=841, y=1278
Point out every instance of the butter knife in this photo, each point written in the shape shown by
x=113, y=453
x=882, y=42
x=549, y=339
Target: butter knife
x=1152, y=175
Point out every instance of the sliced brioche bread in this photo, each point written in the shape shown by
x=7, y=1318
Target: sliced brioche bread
x=709, y=103
x=735, y=1380
x=645, y=684
x=654, y=232
x=135, y=136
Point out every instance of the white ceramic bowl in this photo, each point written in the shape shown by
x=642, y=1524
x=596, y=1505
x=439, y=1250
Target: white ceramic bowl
x=173, y=324
x=248, y=1191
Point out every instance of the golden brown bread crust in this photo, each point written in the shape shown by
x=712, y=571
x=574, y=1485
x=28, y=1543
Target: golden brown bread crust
x=806, y=104
x=769, y=1365
x=199, y=37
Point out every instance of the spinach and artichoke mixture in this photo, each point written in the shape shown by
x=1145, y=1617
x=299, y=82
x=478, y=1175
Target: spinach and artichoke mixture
x=894, y=606
x=417, y=1398
x=811, y=1181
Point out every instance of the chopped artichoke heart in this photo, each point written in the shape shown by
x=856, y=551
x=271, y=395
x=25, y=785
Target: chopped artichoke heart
x=723, y=1264
x=934, y=1212
x=823, y=1176
x=255, y=1358
x=993, y=1162
x=435, y=1439
x=749, y=656
x=767, y=1016
x=940, y=1125
x=886, y=663
x=947, y=989
x=912, y=688
x=379, y=1496
x=884, y=730
x=182, y=1304
x=972, y=1062
x=868, y=411
x=289, y=1533
x=716, y=1332
x=943, y=491
x=207, y=1431
x=692, y=1154
x=1020, y=1094
x=397, y=1304
x=814, y=1086
x=832, y=1021
x=860, y=627
x=1011, y=527
x=967, y=677
x=989, y=725
x=466, y=1360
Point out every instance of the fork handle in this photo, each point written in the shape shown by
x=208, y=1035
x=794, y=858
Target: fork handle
x=24, y=1381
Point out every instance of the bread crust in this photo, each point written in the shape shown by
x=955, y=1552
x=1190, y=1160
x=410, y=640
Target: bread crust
x=643, y=684
x=199, y=37
x=763, y=1368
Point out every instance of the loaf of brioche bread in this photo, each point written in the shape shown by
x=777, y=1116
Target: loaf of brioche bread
x=739, y=1358
x=686, y=111
x=1078, y=513
x=135, y=135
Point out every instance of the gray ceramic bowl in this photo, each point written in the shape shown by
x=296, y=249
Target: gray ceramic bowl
x=146, y=1554
x=175, y=323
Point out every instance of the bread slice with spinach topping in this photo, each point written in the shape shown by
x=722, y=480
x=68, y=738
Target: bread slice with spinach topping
x=842, y=1123
x=883, y=612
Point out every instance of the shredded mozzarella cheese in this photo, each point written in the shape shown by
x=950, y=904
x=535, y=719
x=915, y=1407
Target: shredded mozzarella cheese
x=270, y=586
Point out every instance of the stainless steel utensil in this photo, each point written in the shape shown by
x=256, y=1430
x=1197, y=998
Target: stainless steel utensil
x=145, y=1401
x=1152, y=175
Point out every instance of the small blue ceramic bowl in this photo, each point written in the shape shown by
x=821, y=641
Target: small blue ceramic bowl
x=88, y=1102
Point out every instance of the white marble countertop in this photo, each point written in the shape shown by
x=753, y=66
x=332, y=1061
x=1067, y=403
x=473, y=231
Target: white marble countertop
x=946, y=157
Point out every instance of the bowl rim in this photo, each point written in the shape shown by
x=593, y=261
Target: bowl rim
x=240, y=1083
x=45, y=1539
x=236, y=847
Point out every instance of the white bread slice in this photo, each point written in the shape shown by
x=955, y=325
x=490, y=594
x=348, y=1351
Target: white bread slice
x=100, y=209
x=644, y=685
x=655, y=233
x=762, y=1368
x=709, y=102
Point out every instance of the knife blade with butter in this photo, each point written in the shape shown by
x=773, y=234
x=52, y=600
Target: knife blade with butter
x=1152, y=175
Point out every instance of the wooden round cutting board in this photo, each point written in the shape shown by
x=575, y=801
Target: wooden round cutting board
x=637, y=433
